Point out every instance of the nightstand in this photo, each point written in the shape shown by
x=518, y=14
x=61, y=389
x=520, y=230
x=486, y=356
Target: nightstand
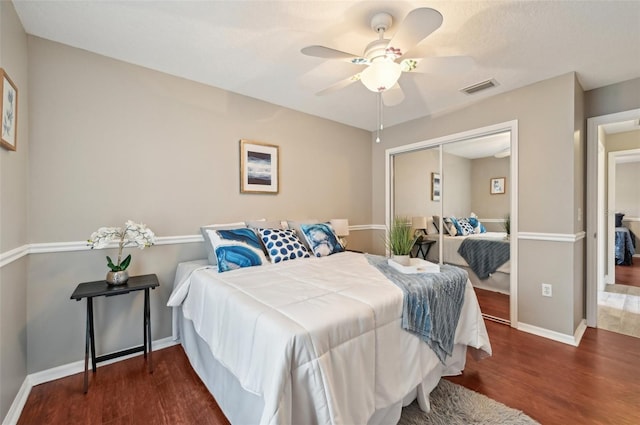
x=424, y=245
x=90, y=290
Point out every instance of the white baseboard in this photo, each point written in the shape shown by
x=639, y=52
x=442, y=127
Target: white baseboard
x=18, y=403
x=556, y=336
x=61, y=372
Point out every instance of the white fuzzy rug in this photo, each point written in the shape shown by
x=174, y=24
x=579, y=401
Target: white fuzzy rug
x=453, y=404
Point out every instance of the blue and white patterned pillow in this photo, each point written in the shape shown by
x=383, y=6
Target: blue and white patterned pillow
x=321, y=239
x=282, y=244
x=236, y=248
x=466, y=227
x=477, y=226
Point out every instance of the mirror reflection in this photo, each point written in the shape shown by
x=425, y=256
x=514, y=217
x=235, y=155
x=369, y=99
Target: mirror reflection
x=460, y=211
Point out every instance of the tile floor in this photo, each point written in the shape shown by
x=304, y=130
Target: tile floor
x=619, y=309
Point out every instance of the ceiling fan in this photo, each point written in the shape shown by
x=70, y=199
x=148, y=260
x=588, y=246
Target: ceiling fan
x=385, y=58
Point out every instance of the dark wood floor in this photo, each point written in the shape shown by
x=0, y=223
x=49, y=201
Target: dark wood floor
x=597, y=383
x=493, y=303
x=629, y=275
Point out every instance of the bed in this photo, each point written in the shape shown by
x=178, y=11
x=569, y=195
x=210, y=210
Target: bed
x=497, y=281
x=315, y=340
x=624, y=246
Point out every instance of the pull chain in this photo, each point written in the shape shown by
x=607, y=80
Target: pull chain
x=380, y=126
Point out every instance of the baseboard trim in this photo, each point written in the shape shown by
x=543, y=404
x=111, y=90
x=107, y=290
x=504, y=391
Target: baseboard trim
x=556, y=336
x=18, y=403
x=63, y=371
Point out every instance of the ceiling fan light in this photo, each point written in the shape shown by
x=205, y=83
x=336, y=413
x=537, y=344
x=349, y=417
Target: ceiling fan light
x=381, y=75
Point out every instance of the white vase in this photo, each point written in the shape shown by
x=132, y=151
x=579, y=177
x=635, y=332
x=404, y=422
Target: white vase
x=403, y=260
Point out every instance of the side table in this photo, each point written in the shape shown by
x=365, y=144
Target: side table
x=90, y=290
x=424, y=245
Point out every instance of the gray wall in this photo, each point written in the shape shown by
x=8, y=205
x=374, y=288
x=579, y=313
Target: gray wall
x=483, y=203
x=14, y=168
x=628, y=189
x=112, y=141
x=412, y=184
x=546, y=112
x=614, y=98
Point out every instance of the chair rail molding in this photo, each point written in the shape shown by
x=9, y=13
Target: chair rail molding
x=52, y=247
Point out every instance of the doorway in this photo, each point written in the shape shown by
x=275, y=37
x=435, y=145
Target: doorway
x=440, y=148
x=608, y=137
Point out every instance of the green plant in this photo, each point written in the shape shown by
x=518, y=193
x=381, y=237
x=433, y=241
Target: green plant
x=507, y=224
x=400, y=237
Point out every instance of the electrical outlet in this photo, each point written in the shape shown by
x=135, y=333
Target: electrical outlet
x=546, y=290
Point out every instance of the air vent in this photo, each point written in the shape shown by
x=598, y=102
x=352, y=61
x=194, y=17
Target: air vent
x=479, y=86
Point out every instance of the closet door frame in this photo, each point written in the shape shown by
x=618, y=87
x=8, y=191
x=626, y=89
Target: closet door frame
x=510, y=126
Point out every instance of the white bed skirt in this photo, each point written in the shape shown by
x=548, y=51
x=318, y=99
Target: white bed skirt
x=242, y=407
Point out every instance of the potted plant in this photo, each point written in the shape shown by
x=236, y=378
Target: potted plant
x=400, y=239
x=132, y=235
x=507, y=225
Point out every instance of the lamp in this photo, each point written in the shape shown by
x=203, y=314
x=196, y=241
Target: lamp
x=419, y=223
x=381, y=75
x=341, y=227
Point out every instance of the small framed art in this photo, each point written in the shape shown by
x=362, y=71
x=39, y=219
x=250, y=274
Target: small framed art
x=497, y=185
x=435, y=186
x=9, y=108
x=259, y=167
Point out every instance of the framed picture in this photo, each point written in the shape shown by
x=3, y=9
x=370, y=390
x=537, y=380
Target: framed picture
x=259, y=167
x=497, y=185
x=435, y=186
x=9, y=107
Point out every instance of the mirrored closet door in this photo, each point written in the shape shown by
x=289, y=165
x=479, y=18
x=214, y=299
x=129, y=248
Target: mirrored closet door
x=458, y=198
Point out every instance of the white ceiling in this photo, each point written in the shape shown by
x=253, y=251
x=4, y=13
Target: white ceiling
x=253, y=47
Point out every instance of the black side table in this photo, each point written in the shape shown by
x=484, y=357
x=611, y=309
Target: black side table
x=99, y=288
x=424, y=245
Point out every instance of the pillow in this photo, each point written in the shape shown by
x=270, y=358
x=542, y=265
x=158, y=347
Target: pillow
x=208, y=246
x=321, y=239
x=477, y=226
x=282, y=244
x=454, y=221
x=236, y=248
x=449, y=227
x=436, y=223
x=465, y=225
x=295, y=225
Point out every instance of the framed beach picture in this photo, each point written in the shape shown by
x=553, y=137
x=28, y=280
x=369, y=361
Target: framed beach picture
x=497, y=185
x=259, y=167
x=435, y=186
x=9, y=107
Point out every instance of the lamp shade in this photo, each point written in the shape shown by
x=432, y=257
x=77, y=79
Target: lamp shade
x=381, y=75
x=419, y=223
x=340, y=226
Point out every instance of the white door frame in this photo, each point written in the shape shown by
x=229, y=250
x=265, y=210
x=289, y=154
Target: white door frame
x=512, y=127
x=596, y=213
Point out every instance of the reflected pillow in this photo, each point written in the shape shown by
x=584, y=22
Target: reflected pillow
x=466, y=227
x=282, y=244
x=236, y=248
x=321, y=239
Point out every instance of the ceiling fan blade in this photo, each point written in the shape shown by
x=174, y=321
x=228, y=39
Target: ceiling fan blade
x=441, y=64
x=339, y=85
x=418, y=24
x=327, y=53
x=394, y=96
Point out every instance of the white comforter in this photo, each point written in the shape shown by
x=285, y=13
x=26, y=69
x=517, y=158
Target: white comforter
x=316, y=336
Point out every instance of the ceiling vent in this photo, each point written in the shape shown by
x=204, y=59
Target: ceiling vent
x=479, y=86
